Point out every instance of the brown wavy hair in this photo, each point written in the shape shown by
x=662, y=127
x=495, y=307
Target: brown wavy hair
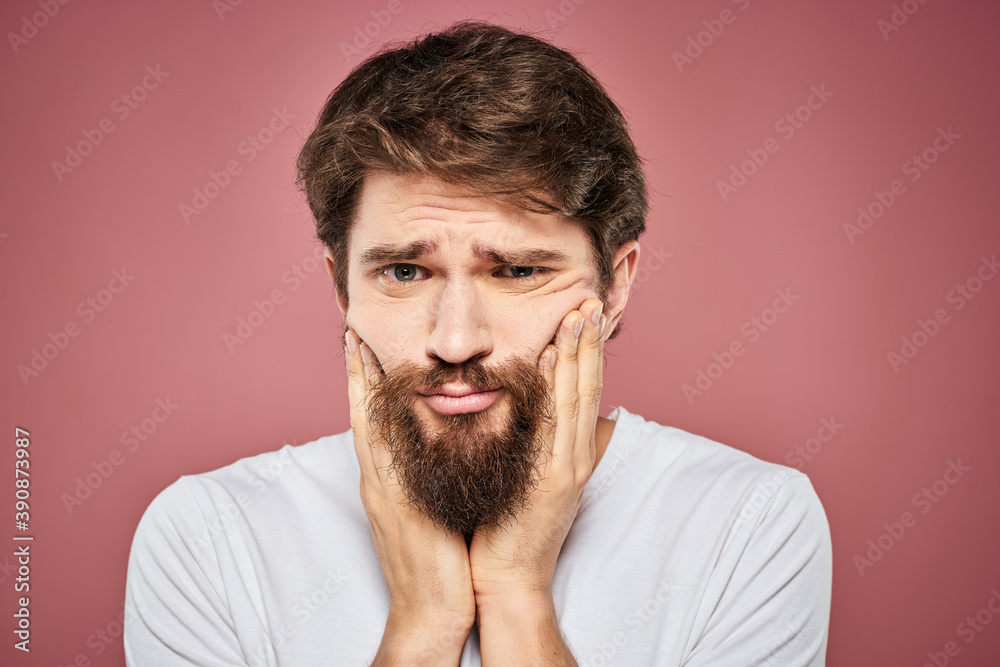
x=507, y=115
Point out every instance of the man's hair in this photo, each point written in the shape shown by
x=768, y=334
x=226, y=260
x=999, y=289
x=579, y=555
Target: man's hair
x=503, y=114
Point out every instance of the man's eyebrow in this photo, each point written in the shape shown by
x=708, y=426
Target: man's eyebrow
x=524, y=257
x=385, y=253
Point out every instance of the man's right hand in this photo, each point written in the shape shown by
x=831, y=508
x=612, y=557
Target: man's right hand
x=432, y=605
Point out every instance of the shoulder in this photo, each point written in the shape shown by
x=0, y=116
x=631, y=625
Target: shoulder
x=698, y=472
x=675, y=452
x=194, y=506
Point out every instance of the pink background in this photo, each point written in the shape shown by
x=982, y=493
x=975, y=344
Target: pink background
x=162, y=336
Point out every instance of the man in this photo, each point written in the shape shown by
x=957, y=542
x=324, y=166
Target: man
x=480, y=200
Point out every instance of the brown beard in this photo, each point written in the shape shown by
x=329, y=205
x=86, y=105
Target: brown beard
x=461, y=472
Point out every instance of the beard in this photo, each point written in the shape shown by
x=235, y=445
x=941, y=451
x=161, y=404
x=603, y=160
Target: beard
x=463, y=471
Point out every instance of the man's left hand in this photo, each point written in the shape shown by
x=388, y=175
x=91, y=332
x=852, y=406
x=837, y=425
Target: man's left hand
x=512, y=566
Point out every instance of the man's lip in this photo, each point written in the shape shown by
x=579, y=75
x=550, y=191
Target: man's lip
x=455, y=390
x=476, y=401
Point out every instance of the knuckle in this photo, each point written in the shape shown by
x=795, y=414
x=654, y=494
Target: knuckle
x=590, y=392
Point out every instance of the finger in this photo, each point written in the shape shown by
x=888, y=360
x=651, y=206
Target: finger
x=356, y=392
x=546, y=364
x=589, y=369
x=567, y=405
x=380, y=456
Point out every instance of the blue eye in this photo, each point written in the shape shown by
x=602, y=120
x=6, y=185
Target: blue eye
x=404, y=272
x=520, y=271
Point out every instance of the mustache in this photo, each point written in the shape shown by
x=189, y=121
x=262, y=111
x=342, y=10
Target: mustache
x=411, y=377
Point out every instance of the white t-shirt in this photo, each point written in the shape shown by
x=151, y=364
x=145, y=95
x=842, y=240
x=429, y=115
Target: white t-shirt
x=685, y=552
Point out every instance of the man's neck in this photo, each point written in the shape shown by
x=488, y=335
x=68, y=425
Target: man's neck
x=602, y=436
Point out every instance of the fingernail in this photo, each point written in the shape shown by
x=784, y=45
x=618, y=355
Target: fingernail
x=595, y=317
x=578, y=327
x=366, y=354
x=352, y=344
x=552, y=358
x=604, y=321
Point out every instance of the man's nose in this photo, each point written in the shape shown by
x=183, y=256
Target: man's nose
x=460, y=328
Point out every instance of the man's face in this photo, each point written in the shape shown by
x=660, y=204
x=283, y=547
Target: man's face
x=457, y=297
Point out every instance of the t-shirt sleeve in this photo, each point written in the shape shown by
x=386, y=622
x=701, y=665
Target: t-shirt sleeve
x=175, y=607
x=772, y=593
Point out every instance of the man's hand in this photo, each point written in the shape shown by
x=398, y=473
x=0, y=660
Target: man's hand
x=512, y=567
x=432, y=604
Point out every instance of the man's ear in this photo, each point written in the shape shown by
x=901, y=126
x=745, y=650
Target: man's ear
x=625, y=264
x=330, y=267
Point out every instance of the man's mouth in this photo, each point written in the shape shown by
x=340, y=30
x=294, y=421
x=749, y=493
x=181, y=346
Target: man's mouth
x=458, y=399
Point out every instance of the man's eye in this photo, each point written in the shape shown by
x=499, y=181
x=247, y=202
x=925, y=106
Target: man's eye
x=401, y=272
x=520, y=271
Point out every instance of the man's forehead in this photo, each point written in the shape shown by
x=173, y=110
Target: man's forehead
x=411, y=196
x=399, y=215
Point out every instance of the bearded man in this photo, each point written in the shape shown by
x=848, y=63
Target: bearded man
x=481, y=200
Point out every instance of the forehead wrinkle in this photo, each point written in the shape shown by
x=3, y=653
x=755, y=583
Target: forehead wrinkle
x=449, y=214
